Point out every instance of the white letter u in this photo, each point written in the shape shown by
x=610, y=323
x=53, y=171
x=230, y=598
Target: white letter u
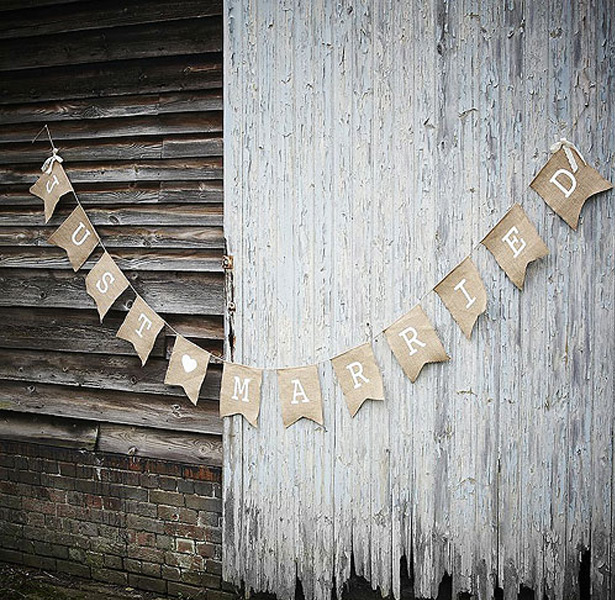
x=83, y=237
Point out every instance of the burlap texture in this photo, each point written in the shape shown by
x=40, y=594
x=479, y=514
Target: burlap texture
x=359, y=376
x=187, y=367
x=50, y=187
x=576, y=187
x=300, y=396
x=414, y=342
x=515, y=243
x=141, y=328
x=105, y=283
x=240, y=393
x=77, y=236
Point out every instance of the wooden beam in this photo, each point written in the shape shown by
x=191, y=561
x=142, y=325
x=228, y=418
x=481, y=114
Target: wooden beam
x=51, y=431
x=95, y=130
x=125, y=237
x=81, y=331
x=101, y=372
x=149, y=75
x=195, y=261
x=188, y=36
x=119, y=170
x=182, y=447
x=27, y=5
x=147, y=410
x=111, y=107
x=185, y=293
x=140, y=192
x=203, y=215
x=93, y=15
x=110, y=149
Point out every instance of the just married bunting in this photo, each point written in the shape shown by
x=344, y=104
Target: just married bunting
x=565, y=183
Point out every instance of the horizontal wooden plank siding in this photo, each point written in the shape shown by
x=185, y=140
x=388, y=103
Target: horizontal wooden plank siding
x=132, y=94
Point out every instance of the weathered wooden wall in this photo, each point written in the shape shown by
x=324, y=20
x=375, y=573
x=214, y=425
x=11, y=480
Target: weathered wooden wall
x=132, y=93
x=371, y=145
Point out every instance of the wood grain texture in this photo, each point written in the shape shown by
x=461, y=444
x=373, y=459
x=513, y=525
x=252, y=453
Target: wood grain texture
x=181, y=292
x=125, y=237
x=155, y=443
x=194, y=36
x=92, y=127
x=81, y=331
x=128, y=260
x=148, y=410
x=374, y=144
x=148, y=75
x=67, y=17
x=143, y=192
x=132, y=93
x=76, y=109
x=65, y=433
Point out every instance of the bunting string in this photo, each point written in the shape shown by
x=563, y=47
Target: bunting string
x=564, y=183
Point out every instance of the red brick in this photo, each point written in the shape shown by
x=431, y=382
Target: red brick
x=145, y=538
x=98, y=515
x=184, y=546
x=189, y=562
x=179, y=515
x=202, y=473
x=205, y=549
x=168, y=498
x=150, y=584
x=110, y=503
x=110, y=576
x=187, y=591
x=93, y=501
x=154, y=555
x=40, y=506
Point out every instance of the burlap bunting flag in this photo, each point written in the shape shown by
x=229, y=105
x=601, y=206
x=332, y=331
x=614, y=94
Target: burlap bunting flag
x=50, y=187
x=240, y=393
x=299, y=390
x=566, y=182
x=77, y=236
x=415, y=343
x=359, y=376
x=105, y=283
x=515, y=243
x=187, y=367
x=141, y=328
x=463, y=293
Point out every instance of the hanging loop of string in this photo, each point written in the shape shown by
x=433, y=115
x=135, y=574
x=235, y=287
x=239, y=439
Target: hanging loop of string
x=55, y=157
x=568, y=147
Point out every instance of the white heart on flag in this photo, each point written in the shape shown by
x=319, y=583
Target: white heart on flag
x=188, y=363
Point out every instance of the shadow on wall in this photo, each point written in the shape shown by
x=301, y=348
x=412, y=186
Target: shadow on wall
x=359, y=588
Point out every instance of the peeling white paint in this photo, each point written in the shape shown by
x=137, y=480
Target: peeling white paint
x=368, y=147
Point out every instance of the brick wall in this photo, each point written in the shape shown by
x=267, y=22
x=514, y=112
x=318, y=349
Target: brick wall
x=150, y=524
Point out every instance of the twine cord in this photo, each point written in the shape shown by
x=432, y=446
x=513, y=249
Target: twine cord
x=55, y=157
x=567, y=146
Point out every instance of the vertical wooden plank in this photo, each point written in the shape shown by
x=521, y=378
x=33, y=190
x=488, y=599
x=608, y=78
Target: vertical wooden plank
x=506, y=178
x=233, y=459
x=581, y=307
x=421, y=276
x=601, y=375
x=381, y=41
x=399, y=404
x=336, y=80
x=554, y=456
